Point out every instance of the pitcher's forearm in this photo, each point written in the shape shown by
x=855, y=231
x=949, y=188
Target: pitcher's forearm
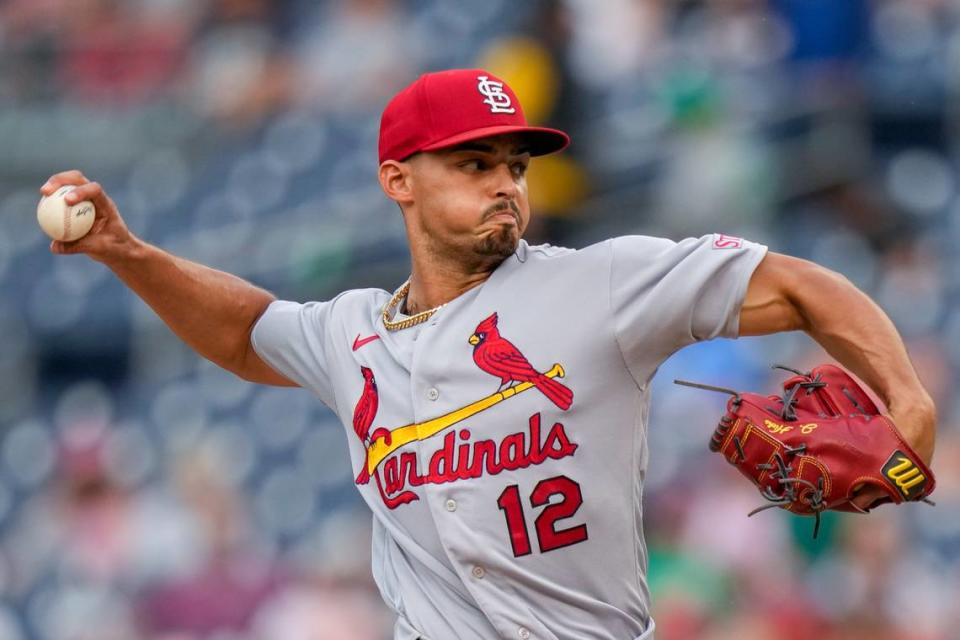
x=210, y=310
x=855, y=331
x=788, y=293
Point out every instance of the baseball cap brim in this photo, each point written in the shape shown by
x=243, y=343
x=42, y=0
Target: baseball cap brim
x=542, y=140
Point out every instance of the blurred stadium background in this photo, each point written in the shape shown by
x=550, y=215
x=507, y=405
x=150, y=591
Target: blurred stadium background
x=145, y=494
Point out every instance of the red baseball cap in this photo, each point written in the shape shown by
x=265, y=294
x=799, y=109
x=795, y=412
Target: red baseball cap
x=446, y=108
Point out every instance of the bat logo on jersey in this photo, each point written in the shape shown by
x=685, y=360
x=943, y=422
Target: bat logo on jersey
x=460, y=457
x=499, y=357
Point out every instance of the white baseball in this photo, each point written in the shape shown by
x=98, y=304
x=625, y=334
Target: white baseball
x=65, y=222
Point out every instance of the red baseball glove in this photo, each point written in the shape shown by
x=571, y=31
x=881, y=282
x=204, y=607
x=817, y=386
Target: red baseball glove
x=813, y=448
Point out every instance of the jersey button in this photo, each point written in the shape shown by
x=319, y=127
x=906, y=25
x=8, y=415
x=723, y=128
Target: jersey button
x=479, y=572
x=523, y=633
x=450, y=505
x=432, y=394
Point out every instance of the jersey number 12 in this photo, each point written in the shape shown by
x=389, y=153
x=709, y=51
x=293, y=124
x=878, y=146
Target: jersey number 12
x=548, y=536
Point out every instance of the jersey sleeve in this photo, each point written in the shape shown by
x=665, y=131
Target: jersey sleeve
x=292, y=338
x=666, y=295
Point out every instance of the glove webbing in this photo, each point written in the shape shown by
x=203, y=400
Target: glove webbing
x=780, y=469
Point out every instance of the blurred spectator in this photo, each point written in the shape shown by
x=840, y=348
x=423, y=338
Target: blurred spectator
x=239, y=66
x=355, y=54
x=874, y=576
x=609, y=46
x=79, y=550
x=311, y=611
x=232, y=578
x=118, y=53
x=825, y=31
x=29, y=32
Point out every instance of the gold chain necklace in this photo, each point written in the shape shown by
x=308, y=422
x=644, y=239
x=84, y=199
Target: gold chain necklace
x=413, y=320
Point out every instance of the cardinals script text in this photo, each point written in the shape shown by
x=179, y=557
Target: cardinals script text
x=471, y=459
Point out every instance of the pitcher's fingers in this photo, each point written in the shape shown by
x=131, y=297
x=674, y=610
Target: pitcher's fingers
x=57, y=180
x=87, y=191
x=94, y=192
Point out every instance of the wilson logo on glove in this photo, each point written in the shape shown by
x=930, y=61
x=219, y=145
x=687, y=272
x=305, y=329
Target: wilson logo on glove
x=908, y=478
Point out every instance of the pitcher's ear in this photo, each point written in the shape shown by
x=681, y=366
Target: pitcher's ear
x=395, y=180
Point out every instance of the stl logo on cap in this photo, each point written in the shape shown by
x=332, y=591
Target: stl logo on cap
x=495, y=97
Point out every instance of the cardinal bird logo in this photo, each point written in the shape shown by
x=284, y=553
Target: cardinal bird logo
x=364, y=414
x=499, y=357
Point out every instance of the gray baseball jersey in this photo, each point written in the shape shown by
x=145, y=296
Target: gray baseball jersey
x=502, y=444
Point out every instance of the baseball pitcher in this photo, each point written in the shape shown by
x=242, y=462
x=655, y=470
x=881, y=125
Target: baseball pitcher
x=496, y=402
